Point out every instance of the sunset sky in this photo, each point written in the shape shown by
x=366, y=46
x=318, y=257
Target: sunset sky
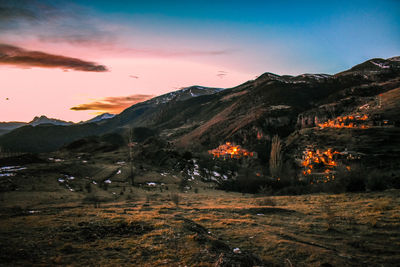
x=103, y=56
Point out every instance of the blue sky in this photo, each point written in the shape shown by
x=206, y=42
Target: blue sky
x=319, y=35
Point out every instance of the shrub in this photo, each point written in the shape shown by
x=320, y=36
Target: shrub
x=350, y=181
x=175, y=198
x=88, y=187
x=92, y=199
x=265, y=201
x=243, y=183
x=105, y=186
x=184, y=182
x=265, y=190
x=376, y=181
x=329, y=215
x=129, y=197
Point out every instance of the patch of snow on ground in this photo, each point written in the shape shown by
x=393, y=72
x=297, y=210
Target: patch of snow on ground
x=94, y=182
x=33, y=211
x=237, y=250
x=61, y=180
x=7, y=168
x=108, y=181
x=8, y=171
x=216, y=174
x=69, y=188
x=383, y=66
x=214, y=179
x=151, y=184
x=119, y=172
x=278, y=107
x=7, y=174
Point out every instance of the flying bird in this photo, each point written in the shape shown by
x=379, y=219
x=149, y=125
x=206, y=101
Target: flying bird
x=7, y=98
x=134, y=76
x=221, y=74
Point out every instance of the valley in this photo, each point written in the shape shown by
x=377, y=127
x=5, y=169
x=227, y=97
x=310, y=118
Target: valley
x=278, y=171
x=55, y=217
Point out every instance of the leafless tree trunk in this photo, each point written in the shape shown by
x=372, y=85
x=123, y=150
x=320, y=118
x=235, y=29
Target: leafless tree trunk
x=275, y=161
x=130, y=145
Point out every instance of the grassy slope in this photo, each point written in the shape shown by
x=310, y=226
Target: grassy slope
x=351, y=229
x=145, y=228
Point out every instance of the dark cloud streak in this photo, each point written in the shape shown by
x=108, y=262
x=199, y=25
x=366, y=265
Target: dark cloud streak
x=12, y=55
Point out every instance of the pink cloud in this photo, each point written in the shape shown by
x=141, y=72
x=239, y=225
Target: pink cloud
x=113, y=104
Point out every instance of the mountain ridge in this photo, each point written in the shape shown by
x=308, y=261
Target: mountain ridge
x=265, y=106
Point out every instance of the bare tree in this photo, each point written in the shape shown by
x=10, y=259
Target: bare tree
x=275, y=160
x=131, y=144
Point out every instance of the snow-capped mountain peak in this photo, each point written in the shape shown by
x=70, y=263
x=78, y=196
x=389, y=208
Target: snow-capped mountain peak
x=184, y=94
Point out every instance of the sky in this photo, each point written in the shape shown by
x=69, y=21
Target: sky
x=74, y=59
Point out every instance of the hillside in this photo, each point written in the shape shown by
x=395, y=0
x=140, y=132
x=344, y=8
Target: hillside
x=248, y=114
x=104, y=199
x=6, y=127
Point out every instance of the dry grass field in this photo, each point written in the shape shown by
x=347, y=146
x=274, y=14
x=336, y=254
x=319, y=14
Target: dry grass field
x=207, y=228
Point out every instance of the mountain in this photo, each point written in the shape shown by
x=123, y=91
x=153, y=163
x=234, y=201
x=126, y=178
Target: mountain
x=48, y=139
x=199, y=118
x=44, y=120
x=6, y=127
x=101, y=117
x=184, y=94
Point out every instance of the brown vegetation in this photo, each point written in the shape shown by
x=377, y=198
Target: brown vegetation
x=312, y=230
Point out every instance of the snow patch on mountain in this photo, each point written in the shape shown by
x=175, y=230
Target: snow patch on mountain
x=184, y=94
x=383, y=66
x=104, y=116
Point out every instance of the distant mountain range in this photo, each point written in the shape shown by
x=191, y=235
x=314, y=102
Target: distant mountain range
x=9, y=126
x=200, y=118
x=44, y=120
x=6, y=127
x=178, y=95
